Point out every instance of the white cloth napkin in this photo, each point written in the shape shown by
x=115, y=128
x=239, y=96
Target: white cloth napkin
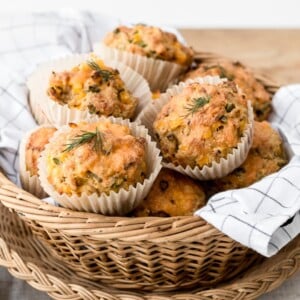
x=264, y=216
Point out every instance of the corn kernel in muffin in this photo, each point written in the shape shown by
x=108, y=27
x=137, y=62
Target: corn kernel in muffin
x=172, y=194
x=201, y=124
x=265, y=157
x=156, y=95
x=95, y=87
x=95, y=158
x=151, y=42
x=243, y=77
x=35, y=144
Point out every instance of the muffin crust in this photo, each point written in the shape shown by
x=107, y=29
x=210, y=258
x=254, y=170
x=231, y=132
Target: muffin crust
x=172, y=194
x=95, y=158
x=151, y=42
x=94, y=87
x=34, y=147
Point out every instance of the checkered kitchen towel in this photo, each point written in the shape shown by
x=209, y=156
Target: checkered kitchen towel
x=264, y=216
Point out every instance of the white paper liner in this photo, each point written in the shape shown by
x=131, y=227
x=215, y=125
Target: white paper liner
x=216, y=169
x=46, y=110
x=115, y=203
x=158, y=73
x=37, y=111
x=30, y=183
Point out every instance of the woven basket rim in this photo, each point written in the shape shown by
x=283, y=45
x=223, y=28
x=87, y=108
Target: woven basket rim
x=255, y=282
x=155, y=229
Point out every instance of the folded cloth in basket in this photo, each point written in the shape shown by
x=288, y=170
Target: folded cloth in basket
x=264, y=216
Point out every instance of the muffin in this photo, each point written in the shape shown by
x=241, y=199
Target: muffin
x=151, y=42
x=154, y=53
x=244, y=78
x=172, y=194
x=92, y=86
x=265, y=157
x=78, y=87
x=31, y=148
x=203, y=123
x=90, y=165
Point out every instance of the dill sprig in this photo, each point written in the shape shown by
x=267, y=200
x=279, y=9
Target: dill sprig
x=223, y=72
x=196, y=104
x=84, y=138
x=105, y=74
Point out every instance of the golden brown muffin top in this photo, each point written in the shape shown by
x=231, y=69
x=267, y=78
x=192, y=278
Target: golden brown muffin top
x=151, y=42
x=35, y=144
x=93, y=86
x=265, y=157
x=267, y=142
x=243, y=77
x=95, y=158
x=201, y=124
x=172, y=194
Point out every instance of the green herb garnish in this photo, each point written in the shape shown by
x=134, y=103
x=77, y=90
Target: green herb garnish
x=117, y=184
x=56, y=160
x=223, y=119
x=229, y=107
x=152, y=53
x=94, y=89
x=105, y=74
x=92, y=109
x=87, y=137
x=141, y=44
x=94, y=176
x=197, y=104
x=223, y=71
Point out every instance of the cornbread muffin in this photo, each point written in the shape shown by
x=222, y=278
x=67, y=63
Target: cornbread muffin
x=92, y=86
x=31, y=147
x=201, y=124
x=34, y=145
x=243, y=77
x=151, y=42
x=96, y=158
x=265, y=157
x=172, y=194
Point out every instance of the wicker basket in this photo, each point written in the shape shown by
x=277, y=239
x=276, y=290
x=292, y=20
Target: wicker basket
x=28, y=259
x=150, y=253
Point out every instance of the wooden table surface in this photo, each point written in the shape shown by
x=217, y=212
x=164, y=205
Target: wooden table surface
x=275, y=52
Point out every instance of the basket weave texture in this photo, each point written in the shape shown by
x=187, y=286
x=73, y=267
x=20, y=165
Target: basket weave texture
x=150, y=253
x=27, y=258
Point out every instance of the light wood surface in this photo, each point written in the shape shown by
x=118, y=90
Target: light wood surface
x=274, y=51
